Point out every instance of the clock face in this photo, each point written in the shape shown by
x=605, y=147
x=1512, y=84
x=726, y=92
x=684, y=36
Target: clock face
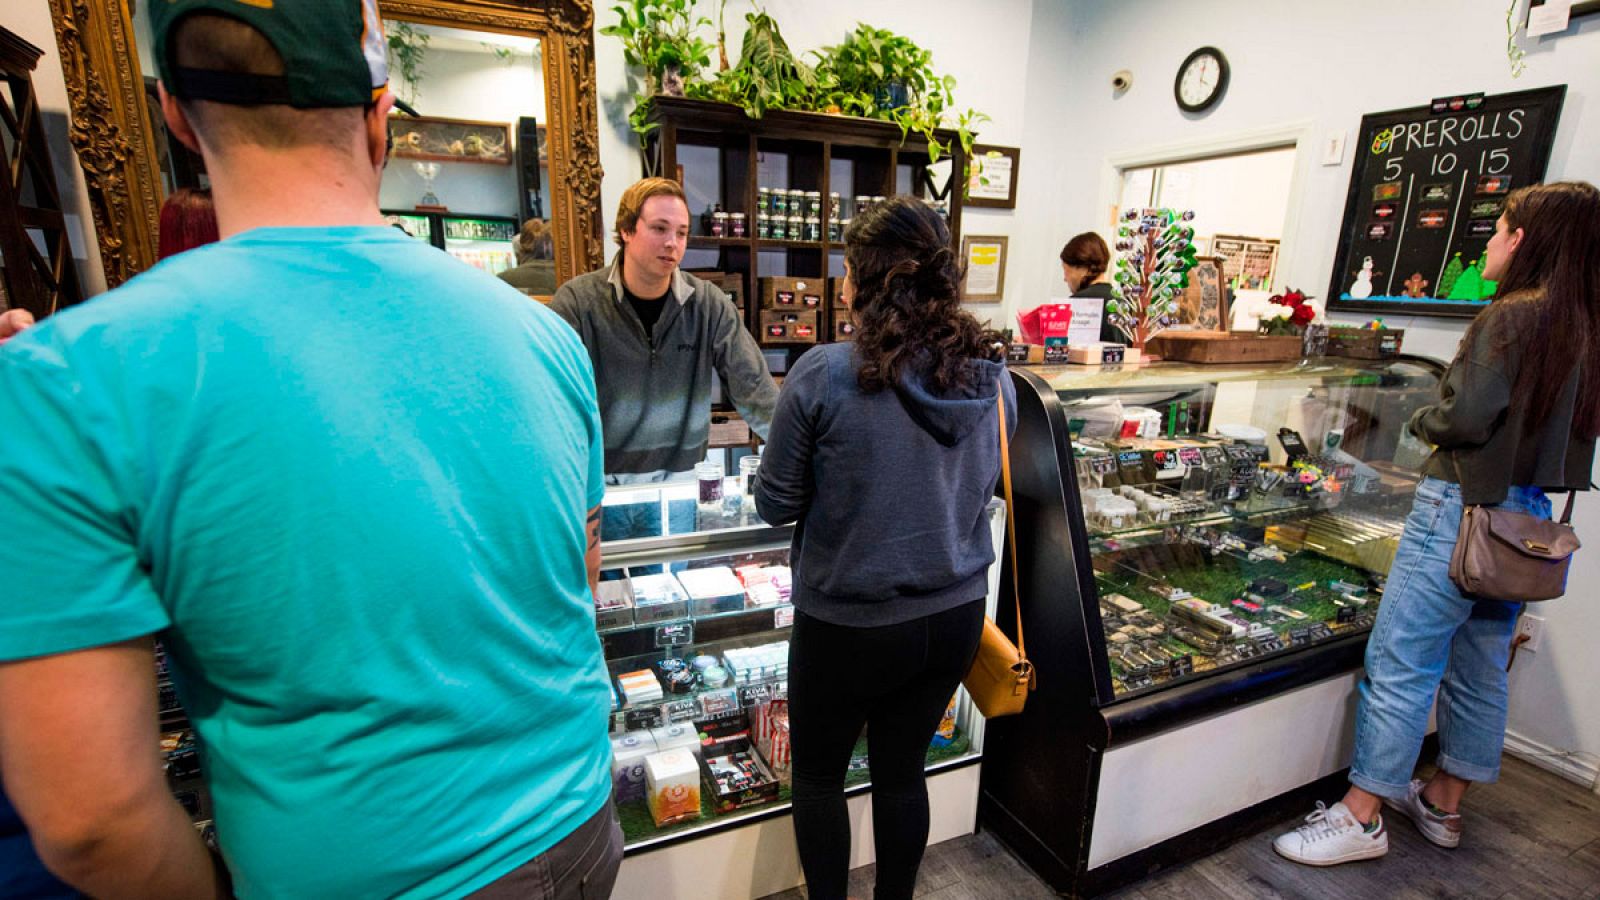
x=1201, y=79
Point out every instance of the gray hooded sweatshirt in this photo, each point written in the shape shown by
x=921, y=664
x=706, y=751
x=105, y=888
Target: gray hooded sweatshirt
x=887, y=490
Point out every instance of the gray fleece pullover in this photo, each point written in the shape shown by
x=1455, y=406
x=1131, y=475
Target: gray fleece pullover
x=655, y=393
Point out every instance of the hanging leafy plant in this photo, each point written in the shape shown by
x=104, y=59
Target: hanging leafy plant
x=407, y=47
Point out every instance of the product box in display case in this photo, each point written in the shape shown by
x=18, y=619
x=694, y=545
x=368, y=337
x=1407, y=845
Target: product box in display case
x=613, y=605
x=737, y=778
x=712, y=590
x=672, y=785
x=658, y=598
x=1231, y=531
x=628, y=753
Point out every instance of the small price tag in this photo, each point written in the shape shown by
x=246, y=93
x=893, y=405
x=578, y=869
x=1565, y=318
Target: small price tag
x=678, y=634
x=1055, y=355
x=1017, y=353
x=783, y=617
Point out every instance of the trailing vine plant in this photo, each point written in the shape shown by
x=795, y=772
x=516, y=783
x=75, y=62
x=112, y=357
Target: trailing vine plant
x=1514, y=51
x=407, y=48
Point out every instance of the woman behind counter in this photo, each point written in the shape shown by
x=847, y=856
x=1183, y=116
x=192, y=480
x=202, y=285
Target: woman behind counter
x=1083, y=267
x=1518, y=413
x=885, y=452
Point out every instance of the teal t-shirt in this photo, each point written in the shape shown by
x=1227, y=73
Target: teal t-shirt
x=349, y=476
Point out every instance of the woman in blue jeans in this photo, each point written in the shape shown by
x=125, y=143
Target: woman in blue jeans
x=1518, y=413
x=885, y=454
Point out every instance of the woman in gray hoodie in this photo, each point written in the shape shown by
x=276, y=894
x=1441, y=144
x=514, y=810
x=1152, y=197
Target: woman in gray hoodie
x=884, y=453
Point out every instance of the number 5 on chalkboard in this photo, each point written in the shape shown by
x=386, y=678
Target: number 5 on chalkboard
x=1391, y=170
x=1498, y=161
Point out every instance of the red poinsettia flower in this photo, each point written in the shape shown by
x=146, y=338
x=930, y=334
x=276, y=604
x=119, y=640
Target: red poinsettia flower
x=1303, y=311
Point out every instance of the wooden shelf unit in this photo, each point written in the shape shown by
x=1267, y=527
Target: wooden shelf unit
x=825, y=153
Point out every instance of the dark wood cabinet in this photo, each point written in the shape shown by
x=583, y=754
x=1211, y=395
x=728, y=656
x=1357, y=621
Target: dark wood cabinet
x=723, y=157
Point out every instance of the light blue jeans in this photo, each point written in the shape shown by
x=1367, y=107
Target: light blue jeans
x=1430, y=639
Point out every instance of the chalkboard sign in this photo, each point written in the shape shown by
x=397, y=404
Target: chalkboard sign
x=1427, y=187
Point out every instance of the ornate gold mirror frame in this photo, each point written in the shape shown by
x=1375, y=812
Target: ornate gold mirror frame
x=116, y=147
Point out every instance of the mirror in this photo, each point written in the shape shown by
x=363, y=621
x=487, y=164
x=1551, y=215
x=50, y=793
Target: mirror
x=505, y=132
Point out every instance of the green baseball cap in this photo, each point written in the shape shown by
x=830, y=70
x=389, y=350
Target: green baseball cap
x=333, y=52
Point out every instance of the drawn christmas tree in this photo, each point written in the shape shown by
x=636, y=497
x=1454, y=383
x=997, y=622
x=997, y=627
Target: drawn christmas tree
x=1469, y=285
x=1486, y=288
x=1448, y=279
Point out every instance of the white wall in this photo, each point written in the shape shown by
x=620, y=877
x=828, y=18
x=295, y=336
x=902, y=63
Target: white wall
x=1324, y=64
x=982, y=45
x=471, y=85
x=30, y=20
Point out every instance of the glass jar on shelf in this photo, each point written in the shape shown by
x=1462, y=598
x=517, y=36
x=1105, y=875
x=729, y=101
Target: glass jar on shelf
x=736, y=226
x=814, y=204
x=796, y=228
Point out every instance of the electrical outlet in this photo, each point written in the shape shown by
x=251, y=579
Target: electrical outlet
x=1532, y=628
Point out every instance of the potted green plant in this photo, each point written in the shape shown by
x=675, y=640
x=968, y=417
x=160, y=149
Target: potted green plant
x=767, y=76
x=658, y=37
x=882, y=75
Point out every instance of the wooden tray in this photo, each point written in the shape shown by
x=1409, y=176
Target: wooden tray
x=1211, y=347
x=1365, y=343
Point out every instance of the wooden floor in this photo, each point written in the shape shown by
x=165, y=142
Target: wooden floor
x=1532, y=835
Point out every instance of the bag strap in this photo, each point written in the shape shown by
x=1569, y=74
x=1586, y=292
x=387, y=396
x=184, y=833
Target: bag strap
x=1566, y=514
x=1011, y=525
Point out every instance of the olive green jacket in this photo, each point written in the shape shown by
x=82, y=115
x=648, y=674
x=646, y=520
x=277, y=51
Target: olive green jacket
x=1480, y=428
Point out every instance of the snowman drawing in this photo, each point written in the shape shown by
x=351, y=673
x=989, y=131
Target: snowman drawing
x=1362, y=289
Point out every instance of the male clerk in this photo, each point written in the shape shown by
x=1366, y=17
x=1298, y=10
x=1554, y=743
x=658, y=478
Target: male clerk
x=658, y=337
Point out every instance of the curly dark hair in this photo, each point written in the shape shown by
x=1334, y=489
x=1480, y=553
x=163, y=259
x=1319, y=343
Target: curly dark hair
x=907, y=304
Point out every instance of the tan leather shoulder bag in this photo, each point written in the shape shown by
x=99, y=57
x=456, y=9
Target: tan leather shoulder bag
x=1001, y=675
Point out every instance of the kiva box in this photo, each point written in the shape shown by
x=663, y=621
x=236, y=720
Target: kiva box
x=780, y=326
x=792, y=293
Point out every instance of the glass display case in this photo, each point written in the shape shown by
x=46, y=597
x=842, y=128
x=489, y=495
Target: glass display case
x=1232, y=514
x=1202, y=550
x=694, y=617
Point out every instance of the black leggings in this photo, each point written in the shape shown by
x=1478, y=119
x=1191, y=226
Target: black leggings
x=896, y=680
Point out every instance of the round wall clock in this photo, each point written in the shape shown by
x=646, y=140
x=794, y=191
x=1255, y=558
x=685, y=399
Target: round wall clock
x=1201, y=80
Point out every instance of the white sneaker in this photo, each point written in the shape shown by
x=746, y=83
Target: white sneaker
x=1443, y=830
x=1332, y=836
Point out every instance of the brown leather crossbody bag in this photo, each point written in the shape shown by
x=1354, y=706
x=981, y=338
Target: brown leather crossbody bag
x=1502, y=554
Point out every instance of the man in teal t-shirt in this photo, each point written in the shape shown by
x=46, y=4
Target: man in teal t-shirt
x=354, y=482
